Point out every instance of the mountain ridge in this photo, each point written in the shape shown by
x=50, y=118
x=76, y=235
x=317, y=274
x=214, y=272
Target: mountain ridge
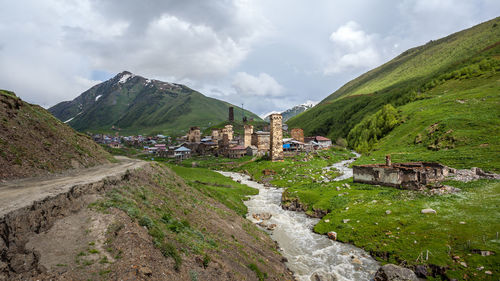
x=134, y=104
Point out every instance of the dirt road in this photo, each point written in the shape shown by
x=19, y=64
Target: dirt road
x=16, y=194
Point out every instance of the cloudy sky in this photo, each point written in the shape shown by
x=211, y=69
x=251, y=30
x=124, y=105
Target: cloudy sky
x=267, y=54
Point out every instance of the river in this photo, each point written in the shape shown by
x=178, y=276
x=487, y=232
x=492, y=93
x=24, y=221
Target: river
x=310, y=256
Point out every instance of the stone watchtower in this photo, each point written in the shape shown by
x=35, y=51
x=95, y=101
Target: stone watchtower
x=231, y=114
x=276, y=142
x=247, y=140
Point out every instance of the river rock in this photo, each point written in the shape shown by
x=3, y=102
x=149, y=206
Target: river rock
x=271, y=226
x=323, y=276
x=428, y=211
x=332, y=235
x=392, y=272
x=356, y=261
x=421, y=271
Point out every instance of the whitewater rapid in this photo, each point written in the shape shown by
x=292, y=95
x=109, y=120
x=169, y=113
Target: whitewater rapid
x=310, y=256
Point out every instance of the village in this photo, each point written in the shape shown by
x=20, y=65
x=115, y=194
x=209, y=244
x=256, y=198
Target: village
x=224, y=142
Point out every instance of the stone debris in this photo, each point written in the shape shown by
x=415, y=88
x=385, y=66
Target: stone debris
x=472, y=174
x=445, y=189
x=488, y=272
x=388, y=212
x=346, y=220
x=428, y=211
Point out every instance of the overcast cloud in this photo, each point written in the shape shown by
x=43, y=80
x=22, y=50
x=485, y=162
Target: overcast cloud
x=269, y=55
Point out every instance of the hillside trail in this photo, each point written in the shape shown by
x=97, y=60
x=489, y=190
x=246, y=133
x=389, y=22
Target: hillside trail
x=19, y=193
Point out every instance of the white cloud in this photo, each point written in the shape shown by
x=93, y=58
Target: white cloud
x=353, y=49
x=262, y=85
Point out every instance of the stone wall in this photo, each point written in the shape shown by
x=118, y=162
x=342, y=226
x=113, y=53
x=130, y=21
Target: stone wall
x=297, y=134
x=247, y=139
x=276, y=137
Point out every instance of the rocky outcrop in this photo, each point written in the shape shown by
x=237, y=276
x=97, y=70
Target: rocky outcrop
x=391, y=272
x=17, y=226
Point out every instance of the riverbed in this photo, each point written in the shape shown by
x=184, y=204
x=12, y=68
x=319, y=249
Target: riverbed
x=310, y=256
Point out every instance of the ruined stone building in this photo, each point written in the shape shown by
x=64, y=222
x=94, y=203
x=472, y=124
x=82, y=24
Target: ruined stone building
x=247, y=138
x=401, y=175
x=194, y=134
x=297, y=134
x=276, y=137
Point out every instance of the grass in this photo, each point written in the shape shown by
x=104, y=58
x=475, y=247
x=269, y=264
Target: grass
x=217, y=186
x=260, y=275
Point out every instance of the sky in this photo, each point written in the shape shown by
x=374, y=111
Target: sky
x=268, y=55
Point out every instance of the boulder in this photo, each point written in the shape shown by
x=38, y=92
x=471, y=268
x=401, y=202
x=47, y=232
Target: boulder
x=323, y=276
x=428, y=211
x=392, y=272
x=421, y=271
x=332, y=235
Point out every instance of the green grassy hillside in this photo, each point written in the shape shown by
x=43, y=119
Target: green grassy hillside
x=33, y=142
x=445, y=94
x=137, y=105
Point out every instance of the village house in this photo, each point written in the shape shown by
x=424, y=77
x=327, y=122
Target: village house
x=252, y=150
x=182, y=153
x=236, y=152
x=401, y=175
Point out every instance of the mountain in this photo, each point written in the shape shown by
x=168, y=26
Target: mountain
x=291, y=112
x=33, y=142
x=296, y=110
x=432, y=102
x=137, y=105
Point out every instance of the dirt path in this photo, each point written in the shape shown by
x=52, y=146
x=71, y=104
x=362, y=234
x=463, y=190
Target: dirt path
x=17, y=194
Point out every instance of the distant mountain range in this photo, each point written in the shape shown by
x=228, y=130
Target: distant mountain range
x=291, y=112
x=133, y=104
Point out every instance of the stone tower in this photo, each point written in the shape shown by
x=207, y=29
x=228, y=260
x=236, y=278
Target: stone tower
x=231, y=114
x=194, y=134
x=297, y=134
x=247, y=141
x=276, y=143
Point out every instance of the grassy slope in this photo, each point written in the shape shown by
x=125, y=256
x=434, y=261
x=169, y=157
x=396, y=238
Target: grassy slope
x=217, y=186
x=33, y=142
x=396, y=82
x=189, y=225
x=469, y=108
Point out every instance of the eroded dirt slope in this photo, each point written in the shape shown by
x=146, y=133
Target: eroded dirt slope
x=149, y=225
